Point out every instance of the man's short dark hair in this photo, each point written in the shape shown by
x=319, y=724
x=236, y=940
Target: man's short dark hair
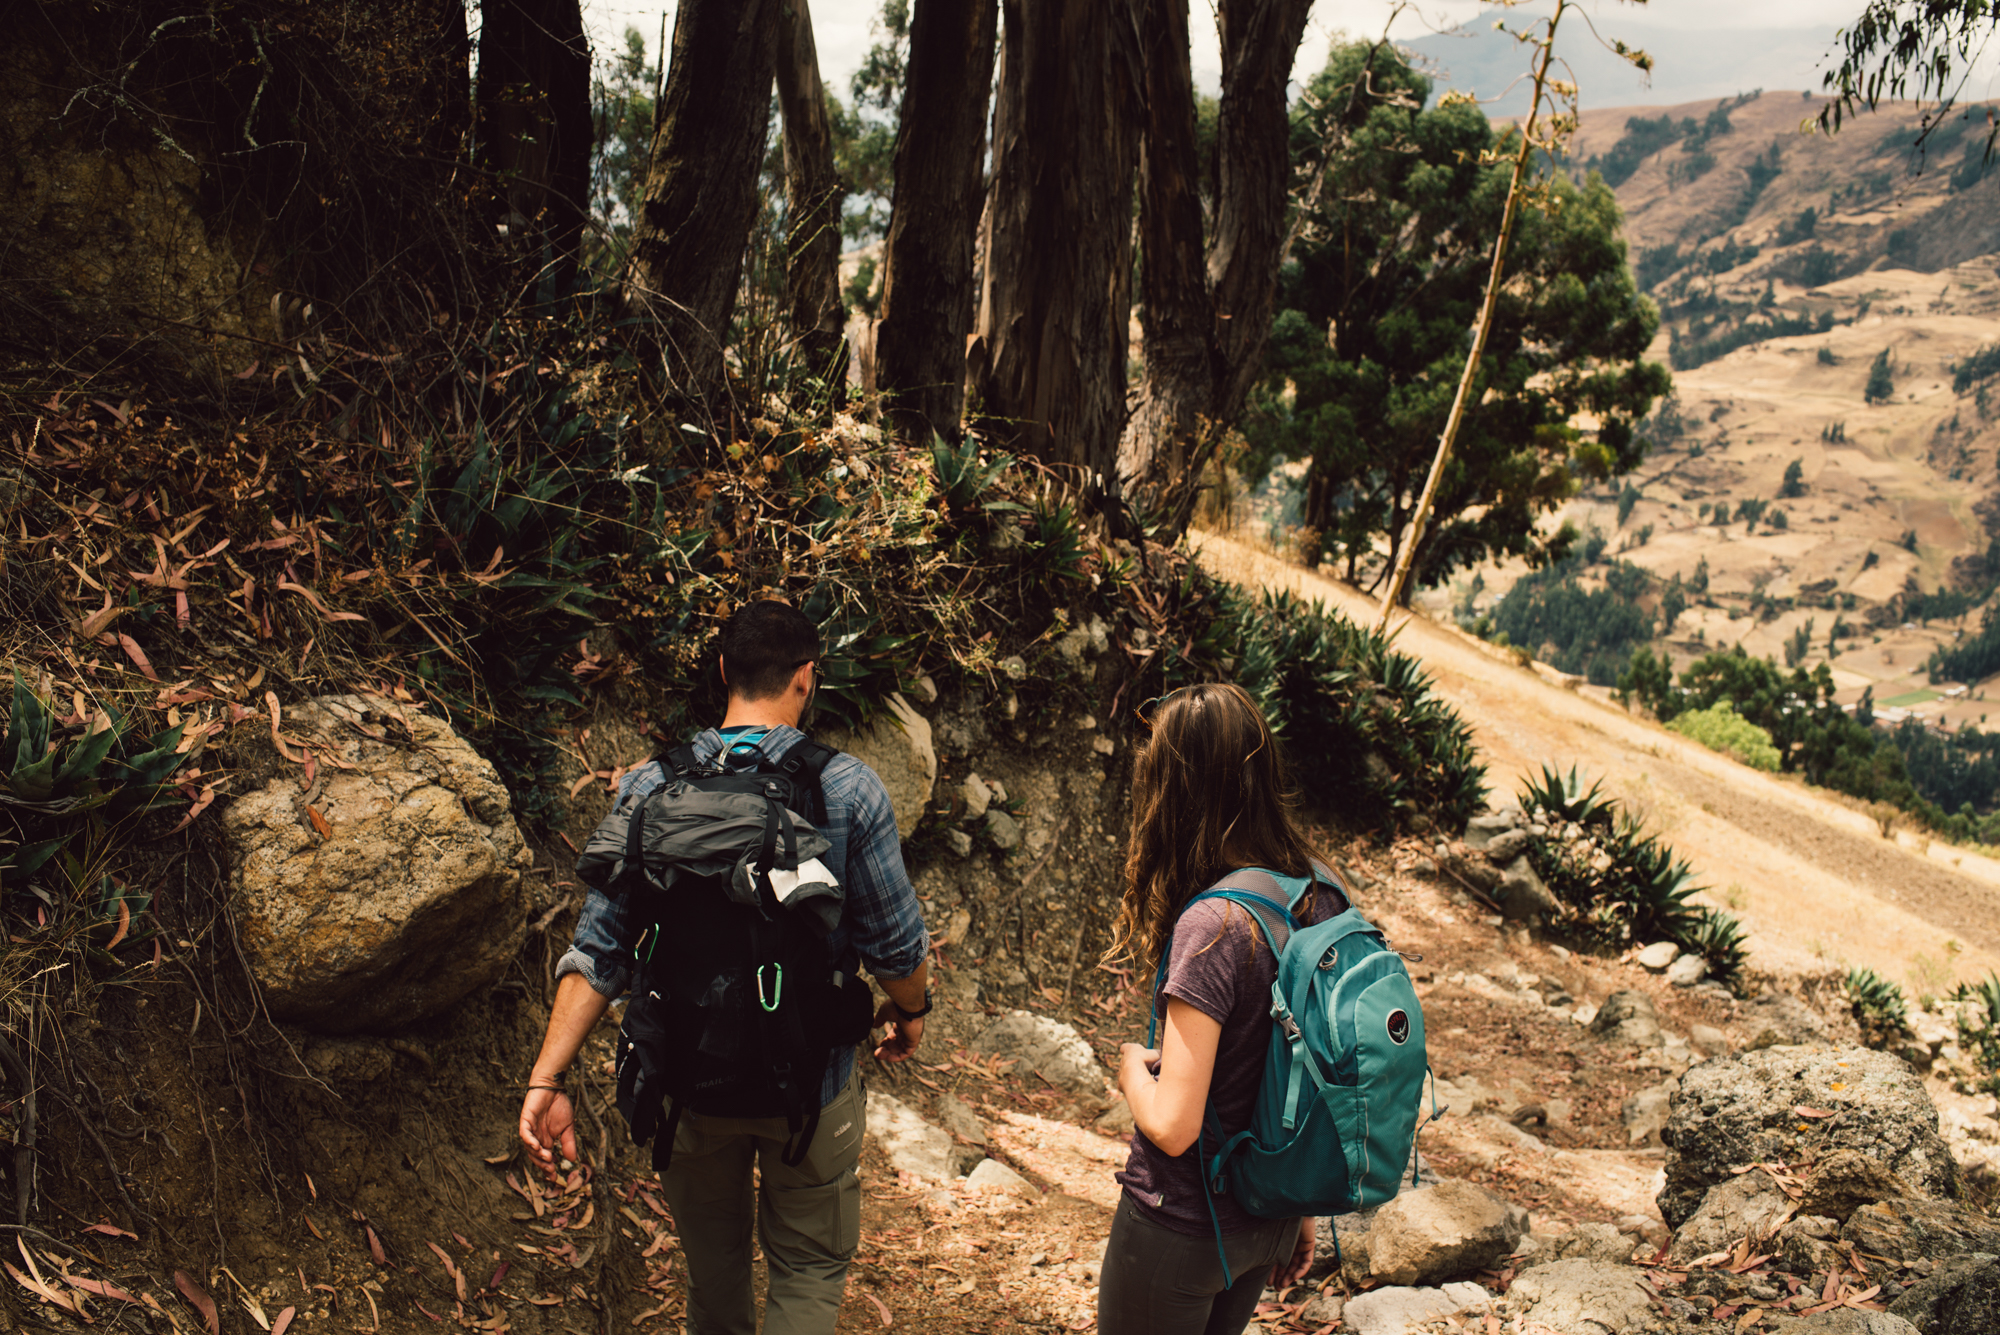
x=763, y=645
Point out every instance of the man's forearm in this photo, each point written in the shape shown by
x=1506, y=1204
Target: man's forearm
x=908, y=993
x=578, y=1008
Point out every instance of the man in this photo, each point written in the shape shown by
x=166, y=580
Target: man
x=808, y=1216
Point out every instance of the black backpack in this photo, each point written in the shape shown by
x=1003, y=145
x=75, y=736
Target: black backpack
x=739, y=1001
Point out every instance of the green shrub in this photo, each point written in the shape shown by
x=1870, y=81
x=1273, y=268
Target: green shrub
x=1619, y=885
x=1364, y=733
x=1721, y=728
x=1981, y=1038
x=1879, y=1007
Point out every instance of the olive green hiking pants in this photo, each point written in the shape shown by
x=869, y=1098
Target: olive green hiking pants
x=808, y=1218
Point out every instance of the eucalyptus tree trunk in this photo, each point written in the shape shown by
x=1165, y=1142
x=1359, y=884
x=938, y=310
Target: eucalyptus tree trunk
x=701, y=188
x=1207, y=308
x=928, y=283
x=813, y=193
x=535, y=129
x=1049, y=353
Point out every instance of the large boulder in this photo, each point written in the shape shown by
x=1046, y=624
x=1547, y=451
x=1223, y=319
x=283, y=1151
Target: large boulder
x=1916, y=1229
x=403, y=897
x=1581, y=1297
x=1794, y=1104
x=1442, y=1232
x=1049, y=1048
x=896, y=744
x=1394, y=1311
x=1523, y=895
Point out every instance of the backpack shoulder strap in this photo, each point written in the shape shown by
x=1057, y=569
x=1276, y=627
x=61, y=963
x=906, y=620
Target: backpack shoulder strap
x=806, y=760
x=679, y=761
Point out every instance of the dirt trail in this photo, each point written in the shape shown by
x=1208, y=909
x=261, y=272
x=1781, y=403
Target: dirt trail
x=1812, y=878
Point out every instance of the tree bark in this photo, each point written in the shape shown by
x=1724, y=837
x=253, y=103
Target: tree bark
x=1049, y=354
x=814, y=193
x=1207, y=313
x=701, y=187
x=928, y=279
x=535, y=128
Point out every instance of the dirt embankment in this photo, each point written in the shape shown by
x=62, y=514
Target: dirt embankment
x=1812, y=878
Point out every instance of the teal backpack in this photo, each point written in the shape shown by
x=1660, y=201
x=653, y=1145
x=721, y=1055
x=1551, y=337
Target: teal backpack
x=1336, y=1113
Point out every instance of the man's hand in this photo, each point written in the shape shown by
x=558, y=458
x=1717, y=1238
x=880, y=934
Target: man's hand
x=1294, y=1270
x=546, y=1121
x=903, y=1035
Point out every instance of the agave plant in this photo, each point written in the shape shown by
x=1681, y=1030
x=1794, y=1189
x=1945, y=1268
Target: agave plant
x=1718, y=937
x=1879, y=1007
x=1982, y=1038
x=48, y=780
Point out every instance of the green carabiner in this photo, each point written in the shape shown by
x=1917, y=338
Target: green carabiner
x=777, y=986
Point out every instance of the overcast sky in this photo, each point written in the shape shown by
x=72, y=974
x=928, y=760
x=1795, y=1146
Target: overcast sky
x=842, y=30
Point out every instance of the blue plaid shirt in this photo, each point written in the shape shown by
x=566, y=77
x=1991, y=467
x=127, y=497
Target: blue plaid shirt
x=880, y=918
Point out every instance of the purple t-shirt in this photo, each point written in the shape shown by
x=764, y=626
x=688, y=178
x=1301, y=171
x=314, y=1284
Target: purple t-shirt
x=1222, y=966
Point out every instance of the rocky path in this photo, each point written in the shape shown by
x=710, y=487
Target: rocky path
x=1811, y=876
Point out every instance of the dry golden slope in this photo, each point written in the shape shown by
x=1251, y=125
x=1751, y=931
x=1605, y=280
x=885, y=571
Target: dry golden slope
x=1811, y=878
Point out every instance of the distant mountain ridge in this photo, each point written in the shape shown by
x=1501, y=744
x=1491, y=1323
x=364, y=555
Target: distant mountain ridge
x=1687, y=65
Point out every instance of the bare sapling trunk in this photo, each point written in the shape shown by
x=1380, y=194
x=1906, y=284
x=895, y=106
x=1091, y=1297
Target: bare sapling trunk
x=701, y=189
x=1048, y=357
x=535, y=129
x=1207, y=308
x=1406, y=554
x=813, y=199
x=928, y=284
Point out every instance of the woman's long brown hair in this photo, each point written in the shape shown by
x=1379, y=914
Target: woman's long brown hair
x=1210, y=779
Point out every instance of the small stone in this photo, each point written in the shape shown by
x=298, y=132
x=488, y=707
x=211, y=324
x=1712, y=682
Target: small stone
x=1048, y=1048
x=1039, y=1258
x=1656, y=957
x=961, y=1121
x=976, y=794
x=1644, y=1227
x=1015, y=667
x=959, y=842
x=1687, y=971
x=1324, y=1310
x=1709, y=1039
x=1628, y=1017
x=1088, y=723
x=1503, y=848
x=927, y=690
x=992, y=1175
x=1394, y=1310
x=960, y=922
x=1646, y=1112
x=1012, y=705
x=1468, y=1296
x=1115, y=1120
x=1003, y=830
x=1424, y=867
x=1102, y=745
x=1559, y=953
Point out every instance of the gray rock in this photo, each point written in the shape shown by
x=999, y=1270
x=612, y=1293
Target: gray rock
x=1483, y=830
x=1003, y=830
x=926, y=690
x=1115, y=1120
x=1960, y=1297
x=1504, y=847
x=1646, y=1111
x=1396, y=1310
x=1581, y=1297
x=413, y=902
x=1776, y=1018
x=1628, y=1017
x=976, y=794
x=1441, y=1232
x=1592, y=1242
x=992, y=1175
x=1523, y=896
x=1052, y=1049
x=1646, y=1228
x=913, y=1145
x=1687, y=971
x=959, y=1120
x=1848, y=1321
x=1751, y=1206
x=1739, y=1109
x=1913, y=1229
x=1656, y=957
x=897, y=745
x=1326, y=1309
x=1709, y=1039
x=1468, y=1297
x=959, y=842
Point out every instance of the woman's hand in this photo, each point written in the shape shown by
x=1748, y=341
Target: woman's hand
x=1294, y=1270
x=1136, y=1063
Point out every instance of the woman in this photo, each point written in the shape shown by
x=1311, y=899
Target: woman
x=1209, y=798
